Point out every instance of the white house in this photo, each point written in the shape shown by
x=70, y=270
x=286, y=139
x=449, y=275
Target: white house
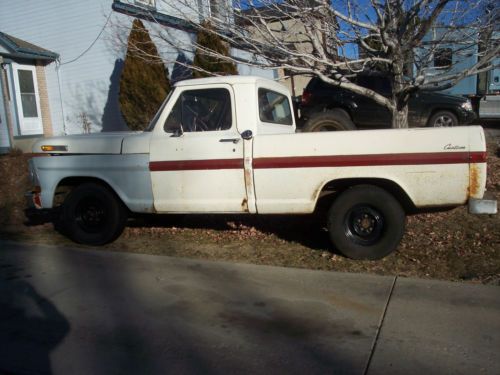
x=61, y=63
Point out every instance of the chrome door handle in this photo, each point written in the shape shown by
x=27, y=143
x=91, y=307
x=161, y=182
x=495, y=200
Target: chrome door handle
x=233, y=140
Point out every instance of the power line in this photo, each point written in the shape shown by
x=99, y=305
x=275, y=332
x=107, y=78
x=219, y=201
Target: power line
x=91, y=44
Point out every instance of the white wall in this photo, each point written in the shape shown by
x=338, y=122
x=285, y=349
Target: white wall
x=81, y=83
x=68, y=28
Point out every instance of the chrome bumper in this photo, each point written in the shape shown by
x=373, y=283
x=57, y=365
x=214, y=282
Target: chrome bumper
x=483, y=206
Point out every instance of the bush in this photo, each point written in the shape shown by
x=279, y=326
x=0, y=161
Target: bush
x=144, y=81
x=210, y=41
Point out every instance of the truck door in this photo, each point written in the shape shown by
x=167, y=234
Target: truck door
x=197, y=153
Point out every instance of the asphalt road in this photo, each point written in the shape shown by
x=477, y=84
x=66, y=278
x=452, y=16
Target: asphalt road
x=68, y=311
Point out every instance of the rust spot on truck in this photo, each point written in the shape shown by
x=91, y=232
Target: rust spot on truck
x=244, y=205
x=248, y=189
x=316, y=193
x=474, y=180
x=248, y=179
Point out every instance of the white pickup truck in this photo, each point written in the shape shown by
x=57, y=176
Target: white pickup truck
x=229, y=145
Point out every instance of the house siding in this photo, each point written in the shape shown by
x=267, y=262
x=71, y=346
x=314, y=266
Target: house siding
x=69, y=28
x=85, y=80
x=462, y=58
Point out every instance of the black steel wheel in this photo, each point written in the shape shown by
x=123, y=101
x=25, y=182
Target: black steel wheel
x=363, y=225
x=366, y=222
x=93, y=215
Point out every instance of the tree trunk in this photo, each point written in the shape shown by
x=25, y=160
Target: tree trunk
x=400, y=117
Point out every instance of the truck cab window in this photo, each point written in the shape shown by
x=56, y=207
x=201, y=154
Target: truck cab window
x=201, y=110
x=274, y=107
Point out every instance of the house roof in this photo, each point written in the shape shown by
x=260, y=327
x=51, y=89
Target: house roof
x=20, y=48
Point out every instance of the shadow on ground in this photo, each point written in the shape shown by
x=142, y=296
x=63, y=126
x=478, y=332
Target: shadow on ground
x=31, y=326
x=307, y=230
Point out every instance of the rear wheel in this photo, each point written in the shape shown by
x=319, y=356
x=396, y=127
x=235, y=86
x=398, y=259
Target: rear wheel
x=92, y=215
x=443, y=119
x=366, y=222
x=329, y=121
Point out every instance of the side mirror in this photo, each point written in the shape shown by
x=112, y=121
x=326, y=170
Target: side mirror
x=178, y=132
x=247, y=134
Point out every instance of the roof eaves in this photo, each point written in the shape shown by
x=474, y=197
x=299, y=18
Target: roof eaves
x=32, y=52
x=154, y=16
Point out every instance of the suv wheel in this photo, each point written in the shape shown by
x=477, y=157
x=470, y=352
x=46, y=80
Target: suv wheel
x=443, y=119
x=329, y=121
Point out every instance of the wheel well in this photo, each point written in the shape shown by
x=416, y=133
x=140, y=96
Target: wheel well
x=67, y=184
x=436, y=110
x=341, y=108
x=331, y=190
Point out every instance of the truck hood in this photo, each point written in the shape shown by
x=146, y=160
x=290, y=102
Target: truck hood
x=97, y=143
x=436, y=96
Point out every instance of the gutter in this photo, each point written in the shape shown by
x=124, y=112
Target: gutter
x=154, y=16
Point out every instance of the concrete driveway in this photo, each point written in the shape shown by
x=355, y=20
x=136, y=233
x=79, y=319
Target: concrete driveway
x=69, y=311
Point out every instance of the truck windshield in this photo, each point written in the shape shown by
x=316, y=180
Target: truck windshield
x=152, y=123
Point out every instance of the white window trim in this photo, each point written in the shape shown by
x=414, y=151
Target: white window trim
x=146, y=3
x=31, y=126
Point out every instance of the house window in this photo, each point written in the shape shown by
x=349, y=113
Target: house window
x=146, y=3
x=443, y=58
x=215, y=8
x=27, y=93
x=221, y=10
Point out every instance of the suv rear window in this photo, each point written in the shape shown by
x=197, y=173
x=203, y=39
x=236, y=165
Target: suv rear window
x=318, y=84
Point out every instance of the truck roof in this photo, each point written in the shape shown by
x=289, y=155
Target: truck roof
x=231, y=80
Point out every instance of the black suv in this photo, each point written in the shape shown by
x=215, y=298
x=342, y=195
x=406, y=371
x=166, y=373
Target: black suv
x=325, y=107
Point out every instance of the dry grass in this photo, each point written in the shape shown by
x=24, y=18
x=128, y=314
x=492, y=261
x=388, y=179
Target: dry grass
x=451, y=245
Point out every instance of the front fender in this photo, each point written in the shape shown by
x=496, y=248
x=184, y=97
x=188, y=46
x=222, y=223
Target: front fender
x=127, y=175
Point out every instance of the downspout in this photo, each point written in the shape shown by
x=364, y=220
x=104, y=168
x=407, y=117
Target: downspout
x=58, y=67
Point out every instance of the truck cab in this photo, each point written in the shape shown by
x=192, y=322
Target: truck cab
x=205, y=126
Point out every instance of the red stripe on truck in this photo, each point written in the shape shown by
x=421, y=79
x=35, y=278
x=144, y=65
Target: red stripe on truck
x=324, y=161
x=195, y=165
x=370, y=160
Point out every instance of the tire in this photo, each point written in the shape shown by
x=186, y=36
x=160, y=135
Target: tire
x=92, y=215
x=443, y=119
x=329, y=121
x=366, y=222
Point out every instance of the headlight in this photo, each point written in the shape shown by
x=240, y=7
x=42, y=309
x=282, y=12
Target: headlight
x=467, y=105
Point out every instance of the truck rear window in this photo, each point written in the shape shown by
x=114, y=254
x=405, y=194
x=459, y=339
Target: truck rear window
x=274, y=107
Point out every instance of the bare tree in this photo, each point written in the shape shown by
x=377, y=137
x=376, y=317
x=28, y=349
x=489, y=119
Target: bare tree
x=403, y=38
x=83, y=118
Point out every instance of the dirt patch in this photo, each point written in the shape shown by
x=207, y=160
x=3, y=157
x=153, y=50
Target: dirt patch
x=450, y=245
x=14, y=172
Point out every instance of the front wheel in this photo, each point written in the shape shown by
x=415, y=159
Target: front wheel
x=93, y=215
x=366, y=222
x=443, y=119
